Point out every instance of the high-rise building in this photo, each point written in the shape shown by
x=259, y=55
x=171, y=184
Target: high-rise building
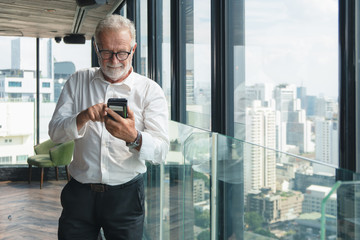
x=262, y=92
x=326, y=139
x=62, y=71
x=294, y=131
x=285, y=96
x=326, y=107
x=199, y=190
x=24, y=48
x=311, y=105
x=261, y=130
x=301, y=94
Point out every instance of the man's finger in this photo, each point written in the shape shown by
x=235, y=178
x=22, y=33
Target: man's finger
x=130, y=113
x=116, y=116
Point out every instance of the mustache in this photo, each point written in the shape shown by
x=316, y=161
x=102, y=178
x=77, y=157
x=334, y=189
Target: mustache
x=115, y=66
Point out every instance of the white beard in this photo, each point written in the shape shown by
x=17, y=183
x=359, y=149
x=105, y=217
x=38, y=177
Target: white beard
x=114, y=73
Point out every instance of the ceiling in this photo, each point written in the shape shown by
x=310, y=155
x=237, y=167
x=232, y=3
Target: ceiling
x=50, y=18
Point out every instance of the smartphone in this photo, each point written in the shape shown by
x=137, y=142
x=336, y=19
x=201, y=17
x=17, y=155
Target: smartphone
x=118, y=105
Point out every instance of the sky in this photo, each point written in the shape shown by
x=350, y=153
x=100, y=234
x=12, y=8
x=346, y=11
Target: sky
x=293, y=42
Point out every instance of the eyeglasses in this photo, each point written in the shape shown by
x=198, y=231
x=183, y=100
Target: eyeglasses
x=107, y=54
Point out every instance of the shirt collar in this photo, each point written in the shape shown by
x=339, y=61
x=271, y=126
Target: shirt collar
x=129, y=81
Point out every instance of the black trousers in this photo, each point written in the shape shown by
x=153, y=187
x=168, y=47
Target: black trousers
x=119, y=210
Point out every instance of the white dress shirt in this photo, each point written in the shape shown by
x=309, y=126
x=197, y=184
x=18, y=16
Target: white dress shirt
x=100, y=157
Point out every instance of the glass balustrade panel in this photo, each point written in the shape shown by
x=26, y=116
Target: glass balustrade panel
x=213, y=186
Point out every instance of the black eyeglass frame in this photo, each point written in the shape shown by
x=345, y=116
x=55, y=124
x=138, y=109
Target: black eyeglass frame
x=112, y=53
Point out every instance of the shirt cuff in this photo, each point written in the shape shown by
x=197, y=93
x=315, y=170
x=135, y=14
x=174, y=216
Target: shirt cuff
x=147, y=147
x=74, y=130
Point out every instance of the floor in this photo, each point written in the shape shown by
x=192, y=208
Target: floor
x=28, y=212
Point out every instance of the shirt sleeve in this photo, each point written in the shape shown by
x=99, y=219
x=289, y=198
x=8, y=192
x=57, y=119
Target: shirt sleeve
x=155, y=137
x=62, y=126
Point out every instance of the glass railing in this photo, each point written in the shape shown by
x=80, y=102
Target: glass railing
x=340, y=211
x=216, y=187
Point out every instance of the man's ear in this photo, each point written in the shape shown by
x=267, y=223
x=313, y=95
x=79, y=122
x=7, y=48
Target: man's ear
x=134, y=47
x=94, y=43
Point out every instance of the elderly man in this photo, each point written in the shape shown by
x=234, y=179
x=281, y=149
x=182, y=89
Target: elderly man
x=106, y=190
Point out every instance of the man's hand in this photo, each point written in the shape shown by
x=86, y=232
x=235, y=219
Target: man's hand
x=123, y=128
x=94, y=113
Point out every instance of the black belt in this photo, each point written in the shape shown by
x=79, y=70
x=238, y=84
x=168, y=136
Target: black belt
x=99, y=187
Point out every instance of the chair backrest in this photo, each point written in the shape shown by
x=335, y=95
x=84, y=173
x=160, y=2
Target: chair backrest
x=44, y=147
x=62, y=154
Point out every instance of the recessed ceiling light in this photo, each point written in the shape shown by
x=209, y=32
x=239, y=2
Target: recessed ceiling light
x=50, y=10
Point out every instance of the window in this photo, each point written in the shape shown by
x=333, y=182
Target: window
x=57, y=62
x=55, y=74
x=14, y=95
x=198, y=63
x=14, y=84
x=123, y=10
x=46, y=85
x=46, y=97
x=5, y=160
x=21, y=159
x=290, y=77
x=142, y=39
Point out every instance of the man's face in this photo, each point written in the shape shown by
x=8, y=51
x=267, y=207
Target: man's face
x=115, y=41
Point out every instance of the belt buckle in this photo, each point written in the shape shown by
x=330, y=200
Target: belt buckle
x=97, y=187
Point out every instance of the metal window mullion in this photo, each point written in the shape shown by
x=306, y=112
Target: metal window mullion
x=155, y=40
x=94, y=58
x=357, y=106
x=178, y=62
x=218, y=66
x=37, y=90
x=347, y=87
x=151, y=39
x=357, y=83
x=158, y=40
x=347, y=110
x=162, y=200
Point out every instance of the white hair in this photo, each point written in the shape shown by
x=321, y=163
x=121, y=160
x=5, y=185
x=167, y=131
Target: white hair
x=116, y=22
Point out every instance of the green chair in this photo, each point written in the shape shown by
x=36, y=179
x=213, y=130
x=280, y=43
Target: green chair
x=50, y=154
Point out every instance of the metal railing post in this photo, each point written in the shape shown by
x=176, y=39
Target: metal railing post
x=213, y=200
x=161, y=201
